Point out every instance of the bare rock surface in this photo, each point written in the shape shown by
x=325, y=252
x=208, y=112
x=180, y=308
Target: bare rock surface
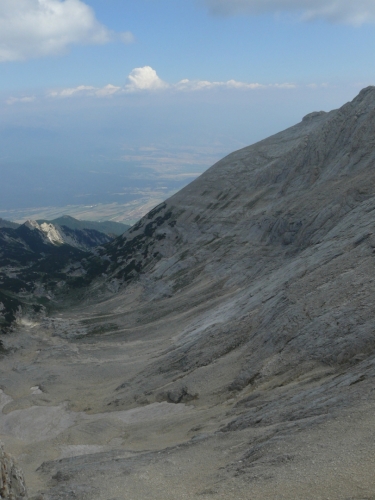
x=228, y=349
x=12, y=484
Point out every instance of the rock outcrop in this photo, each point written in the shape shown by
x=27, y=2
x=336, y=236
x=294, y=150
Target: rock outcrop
x=12, y=483
x=54, y=234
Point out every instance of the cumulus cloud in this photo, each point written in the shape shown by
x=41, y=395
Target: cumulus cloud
x=144, y=78
x=140, y=79
x=37, y=28
x=147, y=80
x=354, y=12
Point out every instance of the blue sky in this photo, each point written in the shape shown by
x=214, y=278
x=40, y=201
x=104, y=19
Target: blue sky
x=100, y=99
x=182, y=39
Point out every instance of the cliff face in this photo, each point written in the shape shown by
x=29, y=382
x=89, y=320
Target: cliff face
x=54, y=234
x=12, y=483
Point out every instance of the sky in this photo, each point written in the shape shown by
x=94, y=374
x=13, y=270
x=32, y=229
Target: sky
x=104, y=101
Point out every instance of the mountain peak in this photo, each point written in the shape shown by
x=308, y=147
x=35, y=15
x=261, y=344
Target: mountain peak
x=370, y=90
x=68, y=218
x=48, y=232
x=52, y=233
x=32, y=224
x=365, y=97
x=314, y=114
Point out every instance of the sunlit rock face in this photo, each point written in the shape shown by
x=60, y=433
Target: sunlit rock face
x=54, y=234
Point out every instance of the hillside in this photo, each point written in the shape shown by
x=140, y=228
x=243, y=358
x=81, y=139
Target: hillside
x=40, y=265
x=8, y=223
x=224, y=346
x=106, y=227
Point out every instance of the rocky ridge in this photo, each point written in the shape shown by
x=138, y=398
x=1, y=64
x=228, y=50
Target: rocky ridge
x=110, y=228
x=54, y=234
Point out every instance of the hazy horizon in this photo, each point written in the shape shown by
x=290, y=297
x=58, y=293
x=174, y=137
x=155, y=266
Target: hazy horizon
x=117, y=103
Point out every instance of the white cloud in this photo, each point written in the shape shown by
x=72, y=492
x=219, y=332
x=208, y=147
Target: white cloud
x=69, y=92
x=107, y=90
x=37, y=28
x=140, y=79
x=144, y=78
x=85, y=90
x=354, y=12
x=194, y=85
x=14, y=100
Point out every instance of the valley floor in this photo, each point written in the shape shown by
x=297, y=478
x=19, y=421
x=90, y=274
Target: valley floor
x=73, y=440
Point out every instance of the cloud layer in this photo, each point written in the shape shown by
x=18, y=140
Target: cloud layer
x=146, y=79
x=354, y=12
x=26, y=99
x=37, y=28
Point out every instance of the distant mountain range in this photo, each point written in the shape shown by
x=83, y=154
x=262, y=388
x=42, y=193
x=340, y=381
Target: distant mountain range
x=107, y=227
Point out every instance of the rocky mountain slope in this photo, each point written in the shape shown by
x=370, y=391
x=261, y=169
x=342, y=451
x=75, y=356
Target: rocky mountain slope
x=224, y=347
x=84, y=239
x=39, y=263
x=109, y=228
x=8, y=223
